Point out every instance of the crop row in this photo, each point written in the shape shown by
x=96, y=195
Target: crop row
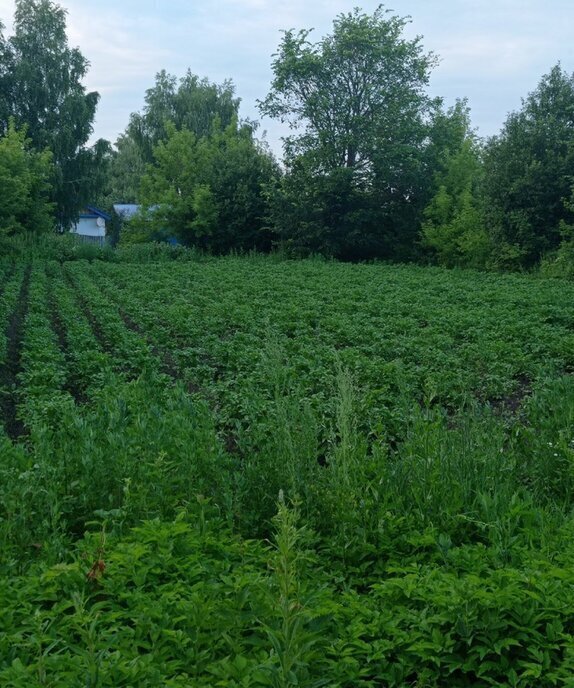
x=59, y=343
x=253, y=336
x=94, y=418
x=241, y=330
x=294, y=369
x=13, y=304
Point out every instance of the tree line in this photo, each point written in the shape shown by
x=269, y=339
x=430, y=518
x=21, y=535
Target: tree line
x=373, y=167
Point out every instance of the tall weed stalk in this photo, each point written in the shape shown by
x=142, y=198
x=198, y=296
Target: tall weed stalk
x=294, y=646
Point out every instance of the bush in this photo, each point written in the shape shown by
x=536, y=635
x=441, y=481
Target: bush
x=59, y=247
x=560, y=263
x=187, y=603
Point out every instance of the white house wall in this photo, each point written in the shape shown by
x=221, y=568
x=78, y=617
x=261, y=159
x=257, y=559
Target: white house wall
x=89, y=227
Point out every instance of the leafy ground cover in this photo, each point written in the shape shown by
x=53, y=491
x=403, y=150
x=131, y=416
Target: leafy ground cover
x=243, y=471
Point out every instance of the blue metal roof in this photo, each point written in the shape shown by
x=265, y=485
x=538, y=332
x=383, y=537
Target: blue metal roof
x=94, y=212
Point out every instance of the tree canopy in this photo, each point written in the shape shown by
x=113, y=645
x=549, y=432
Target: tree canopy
x=363, y=151
x=190, y=103
x=352, y=92
x=24, y=179
x=528, y=172
x=373, y=167
x=208, y=191
x=453, y=224
x=42, y=89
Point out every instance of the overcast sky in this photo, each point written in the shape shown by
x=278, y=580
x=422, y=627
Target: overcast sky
x=492, y=51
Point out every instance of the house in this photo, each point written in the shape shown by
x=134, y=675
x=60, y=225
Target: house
x=91, y=225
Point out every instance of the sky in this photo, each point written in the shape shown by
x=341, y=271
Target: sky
x=491, y=52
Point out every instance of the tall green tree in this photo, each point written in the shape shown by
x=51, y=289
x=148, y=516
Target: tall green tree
x=46, y=94
x=6, y=82
x=528, y=173
x=127, y=167
x=453, y=229
x=362, y=121
x=190, y=103
x=25, y=182
x=208, y=191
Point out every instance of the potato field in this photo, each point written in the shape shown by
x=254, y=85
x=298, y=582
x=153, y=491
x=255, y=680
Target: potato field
x=248, y=471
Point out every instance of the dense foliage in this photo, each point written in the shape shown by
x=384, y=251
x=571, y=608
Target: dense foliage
x=377, y=169
x=189, y=104
x=529, y=172
x=251, y=472
x=192, y=105
x=207, y=191
x=359, y=163
x=42, y=89
x=453, y=227
x=24, y=174
x=197, y=171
